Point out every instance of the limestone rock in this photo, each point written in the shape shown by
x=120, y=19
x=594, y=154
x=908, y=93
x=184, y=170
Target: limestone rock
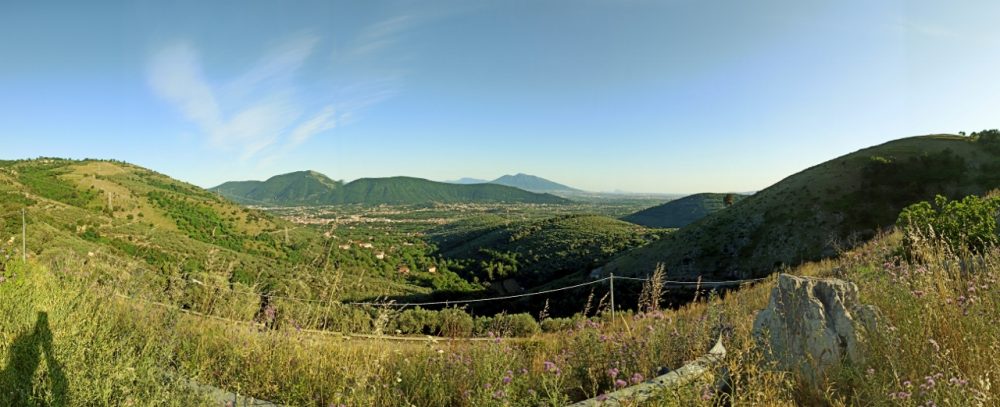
x=811, y=324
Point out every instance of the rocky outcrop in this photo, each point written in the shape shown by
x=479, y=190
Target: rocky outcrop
x=706, y=368
x=812, y=324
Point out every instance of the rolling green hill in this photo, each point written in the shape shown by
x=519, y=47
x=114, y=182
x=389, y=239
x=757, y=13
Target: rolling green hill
x=312, y=188
x=153, y=235
x=532, y=183
x=534, y=252
x=814, y=213
x=681, y=212
x=303, y=186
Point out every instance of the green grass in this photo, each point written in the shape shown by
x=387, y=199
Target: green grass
x=60, y=346
x=937, y=324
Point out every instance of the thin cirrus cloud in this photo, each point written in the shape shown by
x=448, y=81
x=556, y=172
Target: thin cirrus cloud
x=260, y=112
x=251, y=113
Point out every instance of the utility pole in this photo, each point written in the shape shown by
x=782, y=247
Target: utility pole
x=612, y=277
x=24, y=238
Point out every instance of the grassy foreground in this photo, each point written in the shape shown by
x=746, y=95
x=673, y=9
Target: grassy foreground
x=66, y=341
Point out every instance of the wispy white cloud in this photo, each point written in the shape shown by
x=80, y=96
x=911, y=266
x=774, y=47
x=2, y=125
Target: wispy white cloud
x=382, y=34
x=261, y=111
x=253, y=112
x=325, y=120
x=911, y=27
x=175, y=75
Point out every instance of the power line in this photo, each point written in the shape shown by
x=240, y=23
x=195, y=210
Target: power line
x=506, y=297
x=728, y=282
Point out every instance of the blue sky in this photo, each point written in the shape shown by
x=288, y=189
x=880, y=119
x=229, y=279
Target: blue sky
x=645, y=96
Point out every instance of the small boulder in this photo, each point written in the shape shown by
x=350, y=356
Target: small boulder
x=812, y=324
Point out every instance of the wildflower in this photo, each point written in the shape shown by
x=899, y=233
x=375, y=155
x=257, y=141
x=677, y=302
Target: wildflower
x=637, y=378
x=524, y=370
x=620, y=383
x=499, y=394
x=613, y=372
x=487, y=386
x=602, y=397
x=903, y=395
x=507, y=379
x=706, y=393
x=549, y=366
x=907, y=383
x=929, y=382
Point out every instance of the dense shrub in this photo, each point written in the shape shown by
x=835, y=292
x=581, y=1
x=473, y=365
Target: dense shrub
x=968, y=224
x=454, y=322
x=417, y=321
x=989, y=139
x=557, y=324
x=518, y=325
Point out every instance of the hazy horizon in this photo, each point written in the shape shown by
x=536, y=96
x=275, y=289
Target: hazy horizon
x=647, y=97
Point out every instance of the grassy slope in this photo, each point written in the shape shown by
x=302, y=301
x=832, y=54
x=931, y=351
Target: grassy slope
x=310, y=188
x=159, y=233
x=681, y=212
x=811, y=214
x=933, y=326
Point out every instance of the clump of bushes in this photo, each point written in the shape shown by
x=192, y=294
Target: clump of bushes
x=417, y=321
x=970, y=224
x=519, y=325
x=989, y=139
x=455, y=322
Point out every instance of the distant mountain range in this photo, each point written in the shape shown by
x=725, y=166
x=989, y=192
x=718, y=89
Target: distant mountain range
x=681, y=212
x=313, y=188
x=523, y=181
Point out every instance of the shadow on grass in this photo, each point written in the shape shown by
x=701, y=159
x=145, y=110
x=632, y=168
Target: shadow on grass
x=17, y=380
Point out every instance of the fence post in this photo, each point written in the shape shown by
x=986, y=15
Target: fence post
x=612, y=277
x=24, y=238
